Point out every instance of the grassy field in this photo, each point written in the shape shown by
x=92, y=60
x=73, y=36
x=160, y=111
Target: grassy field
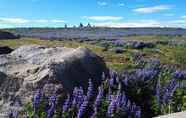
x=167, y=54
x=154, y=38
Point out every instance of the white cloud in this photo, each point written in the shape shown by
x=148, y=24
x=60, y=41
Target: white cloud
x=101, y=3
x=121, y=4
x=104, y=18
x=58, y=21
x=28, y=21
x=14, y=20
x=41, y=21
x=140, y=23
x=5, y=26
x=143, y=23
x=178, y=21
x=183, y=17
x=153, y=9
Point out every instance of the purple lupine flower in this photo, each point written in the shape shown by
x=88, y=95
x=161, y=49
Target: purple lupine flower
x=111, y=108
x=117, y=79
x=118, y=99
x=179, y=74
x=103, y=76
x=90, y=89
x=158, y=89
x=66, y=104
x=13, y=114
x=138, y=112
x=74, y=95
x=169, y=90
x=37, y=99
x=51, y=110
x=93, y=115
x=111, y=82
x=98, y=99
x=82, y=108
x=99, y=96
x=145, y=74
x=113, y=75
x=128, y=104
x=123, y=100
x=125, y=81
x=109, y=96
x=53, y=98
x=133, y=107
x=78, y=96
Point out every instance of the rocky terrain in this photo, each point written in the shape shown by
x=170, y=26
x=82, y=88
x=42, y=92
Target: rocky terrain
x=54, y=69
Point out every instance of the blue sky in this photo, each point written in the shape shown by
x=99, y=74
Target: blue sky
x=114, y=13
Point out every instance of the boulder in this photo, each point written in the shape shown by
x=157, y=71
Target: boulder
x=5, y=50
x=29, y=68
x=7, y=35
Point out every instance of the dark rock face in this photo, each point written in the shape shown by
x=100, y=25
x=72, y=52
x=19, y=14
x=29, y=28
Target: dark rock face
x=31, y=67
x=7, y=35
x=5, y=50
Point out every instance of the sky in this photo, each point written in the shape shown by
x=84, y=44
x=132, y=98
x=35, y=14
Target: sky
x=111, y=13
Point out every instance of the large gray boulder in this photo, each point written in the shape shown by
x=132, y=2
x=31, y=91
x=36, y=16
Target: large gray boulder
x=31, y=67
x=7, y=35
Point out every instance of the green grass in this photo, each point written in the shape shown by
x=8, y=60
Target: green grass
x=154, y=38
x=167, y=54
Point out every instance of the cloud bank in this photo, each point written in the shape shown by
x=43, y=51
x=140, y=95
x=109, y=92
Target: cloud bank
x=153, y=9
x=104, y=18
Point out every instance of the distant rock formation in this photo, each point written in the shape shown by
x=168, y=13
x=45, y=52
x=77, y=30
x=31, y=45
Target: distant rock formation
x=31, y=67
x=7, y=35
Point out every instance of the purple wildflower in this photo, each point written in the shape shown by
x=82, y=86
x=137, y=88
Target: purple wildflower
x=37, y=99
x=90, y=89
x=99, y=96
x=111, y=108
x=103, y=76
x=13, y=114
x=78, y=96
x=50, y=112
x=169, y=90
x=82, y=108
x=138, y=112
x=111, y=82
x=158, y=88
x=93, y=115
x=179, y=74
x=66, y=104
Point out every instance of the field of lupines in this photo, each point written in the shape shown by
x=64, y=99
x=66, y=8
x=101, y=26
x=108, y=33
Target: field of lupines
x=142, y=88
x=94, y=33
x=151, y=89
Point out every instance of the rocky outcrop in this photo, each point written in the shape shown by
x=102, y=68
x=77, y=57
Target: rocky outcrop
x=31, y=67
x=5, y=50
x=7, y=35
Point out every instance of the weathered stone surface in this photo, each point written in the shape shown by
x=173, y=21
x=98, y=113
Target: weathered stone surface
x=31, y=67
x=174, y=115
